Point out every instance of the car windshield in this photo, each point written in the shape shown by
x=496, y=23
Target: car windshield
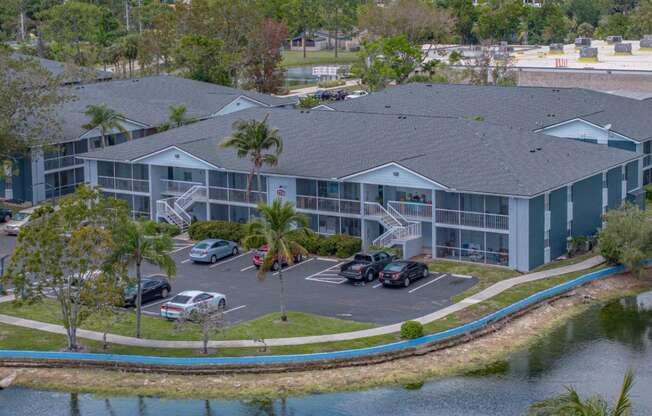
x=362, y=257
x=394, y=267
x=201, y=245
x=181, y=299
x=20, y=216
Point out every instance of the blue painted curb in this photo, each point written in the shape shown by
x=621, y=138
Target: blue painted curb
x=297, y=358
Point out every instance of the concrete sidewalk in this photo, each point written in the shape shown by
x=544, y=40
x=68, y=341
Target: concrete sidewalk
x=274, y=342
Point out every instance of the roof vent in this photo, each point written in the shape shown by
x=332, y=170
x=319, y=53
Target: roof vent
x=428, y=85
x=302, y=111
x=538, y=149
x=388, y=106
x=532, y=150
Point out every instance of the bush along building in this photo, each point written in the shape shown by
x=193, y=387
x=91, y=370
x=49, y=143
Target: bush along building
x=467, y=188
x=143, y=105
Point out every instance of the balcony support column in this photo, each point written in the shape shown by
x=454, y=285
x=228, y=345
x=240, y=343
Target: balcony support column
x=434, y=224
x=363, y=223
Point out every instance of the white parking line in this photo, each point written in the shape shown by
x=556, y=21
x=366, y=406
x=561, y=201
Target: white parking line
x=377, y=285
x=181, y=248
x=219, y=263
x=462, y=276
x=296, y=265
x=185, y=261
x=151, y=313
x=235, y=309
x=328, y=276
x=147, y=305
x=247, y=268
x=426, y=284
x=327, y=259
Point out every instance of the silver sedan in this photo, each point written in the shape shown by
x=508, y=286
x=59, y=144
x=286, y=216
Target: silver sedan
x=210, y=251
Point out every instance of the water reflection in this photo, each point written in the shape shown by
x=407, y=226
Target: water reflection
x=585, y=352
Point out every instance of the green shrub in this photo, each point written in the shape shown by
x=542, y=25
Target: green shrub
x=153, y=228
x=307, y=239
x=331, y=83
x=411, y=330
x=308, y=102
x=626, y=238
x=327, y=246
x=648, y=192
x=346, y=245
x=200, y=230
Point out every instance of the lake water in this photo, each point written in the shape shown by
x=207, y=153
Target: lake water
x=591, y=352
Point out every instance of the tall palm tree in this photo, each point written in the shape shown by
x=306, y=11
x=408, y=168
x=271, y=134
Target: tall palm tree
x=104, y=118
x=252, y=139
x=136, y=247
x=178, y=115
x=274, y=226
x=571, y=404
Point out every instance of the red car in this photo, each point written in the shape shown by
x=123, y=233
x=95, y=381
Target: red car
x=259, y=257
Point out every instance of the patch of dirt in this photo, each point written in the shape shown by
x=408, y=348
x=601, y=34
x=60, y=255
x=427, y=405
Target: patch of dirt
x=473, y=355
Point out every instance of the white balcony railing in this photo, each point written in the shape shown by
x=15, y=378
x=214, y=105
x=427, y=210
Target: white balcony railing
x=313, y=203
x=172, y=187
x=123, y=184
x=472, y=219
x=412, y=210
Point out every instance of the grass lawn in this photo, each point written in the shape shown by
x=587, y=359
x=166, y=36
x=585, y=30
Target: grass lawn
x=18, y=338
x=488, y=275
x=566, y=262
x=266, y=326
x=295, y=58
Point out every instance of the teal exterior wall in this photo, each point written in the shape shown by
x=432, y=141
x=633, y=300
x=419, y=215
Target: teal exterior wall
x=587, y=206
x=22, y=182
x=622, y=144
x=631, y=171
x=614, y=188
x=537, y=232
x=558, y=205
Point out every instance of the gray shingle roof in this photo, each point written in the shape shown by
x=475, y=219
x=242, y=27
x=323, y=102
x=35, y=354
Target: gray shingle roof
x=463, y=155
x=147, y=100
x=57, y=68
x=528, y=108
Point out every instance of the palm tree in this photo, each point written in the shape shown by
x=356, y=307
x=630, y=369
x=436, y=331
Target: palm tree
x=252, y=139
x=178, y=115
x=571, y=404
x=104, y=118
x=276, y=223
x=137, y=247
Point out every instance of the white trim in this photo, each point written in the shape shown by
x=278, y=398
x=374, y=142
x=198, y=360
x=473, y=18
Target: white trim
x=173, y=147
x=581, y=120
x=396, y=165
x=241, y=96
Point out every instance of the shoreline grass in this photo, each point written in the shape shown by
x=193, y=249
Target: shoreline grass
x=295, y=58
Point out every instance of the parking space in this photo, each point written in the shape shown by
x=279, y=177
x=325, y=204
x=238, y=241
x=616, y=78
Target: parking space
x=312, y=286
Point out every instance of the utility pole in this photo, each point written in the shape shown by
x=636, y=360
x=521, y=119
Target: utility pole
x=140, y=18
x=23, y=35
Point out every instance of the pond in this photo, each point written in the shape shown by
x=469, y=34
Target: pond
x=592, y=352
x=301, y=75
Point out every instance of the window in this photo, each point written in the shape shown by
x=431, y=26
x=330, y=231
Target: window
x=496, y=205
x=328, y=189
x=105, y=168
x=141, y=172
x=351, y=191
x=239, y=214
x=122, y=170
x=328, y=224
x=219, y=212
x=351, y=226
x=447, y=200
x=471, y=202
x=81, y=146
x=313, y=222
x=218, y=179
x=306, y=187
x=237, y=181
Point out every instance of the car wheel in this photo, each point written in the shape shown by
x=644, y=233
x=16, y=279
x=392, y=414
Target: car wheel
x=370, y=276
x=425, y=273
x=275, y=266
x=213, y=259
x=406, y=282
x=235, y=251
x=299, y=258
x=7, y=218
x=221, y=305
x=164, y=293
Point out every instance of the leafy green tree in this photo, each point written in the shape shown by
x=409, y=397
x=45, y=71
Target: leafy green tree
x=308, y=101
x=339, y=16
x=386, y=60
x=547, y=24
x=586, y=11
x=129, y=50
x=253, y=139
x=418, y=20
x=136, y=246
x=178, y=115
x=28, y=104
x=277, y=222
x=641, y=19
x=465, y=14
x=626, y=238
x=105, y=119
x=572, y=404
x=203, y=59
x=613, y=24
x=500, y=20
x=61, y=251
x=303, y=17
x=72, y=23
x=585, y=30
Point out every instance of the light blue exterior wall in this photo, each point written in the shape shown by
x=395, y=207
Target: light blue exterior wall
x=587, y=206
x=631, y=170
x=537, y=232
x=558, y=222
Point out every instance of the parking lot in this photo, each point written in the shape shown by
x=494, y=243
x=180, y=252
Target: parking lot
x=312, y=286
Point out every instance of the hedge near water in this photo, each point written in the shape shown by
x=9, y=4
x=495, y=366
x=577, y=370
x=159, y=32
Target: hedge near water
x=335, y=245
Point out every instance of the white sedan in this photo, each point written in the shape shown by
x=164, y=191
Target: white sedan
x=183, y=304
x=356, y=94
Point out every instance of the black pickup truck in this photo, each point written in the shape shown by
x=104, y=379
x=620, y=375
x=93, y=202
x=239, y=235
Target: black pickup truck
x=365, y=266
x=5, y=214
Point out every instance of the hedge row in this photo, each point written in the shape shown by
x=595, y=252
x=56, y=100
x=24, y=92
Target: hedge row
x=336, y=245
x=153, y=227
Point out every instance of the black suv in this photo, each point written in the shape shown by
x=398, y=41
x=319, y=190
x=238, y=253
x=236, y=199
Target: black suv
x=5, y=214
x=402, y=273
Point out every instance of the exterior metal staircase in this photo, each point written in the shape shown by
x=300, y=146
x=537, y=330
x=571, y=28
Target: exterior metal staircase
x=399, y=229
x=175, y=210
